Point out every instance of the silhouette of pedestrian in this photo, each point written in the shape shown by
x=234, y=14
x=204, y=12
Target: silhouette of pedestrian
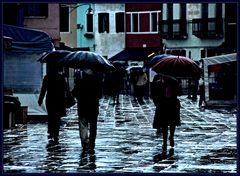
x=54, y=86
x=202, y=101
x=157, y=95
x=140, y=85
x=167, y=114
x=87, y=90
x=116, y=78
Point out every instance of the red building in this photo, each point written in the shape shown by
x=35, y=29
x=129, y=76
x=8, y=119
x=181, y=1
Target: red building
x=142, y=23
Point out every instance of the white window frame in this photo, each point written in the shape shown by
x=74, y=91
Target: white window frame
x=150, y=22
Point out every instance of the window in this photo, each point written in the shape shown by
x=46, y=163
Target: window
x=64, y=19
x=204, y=25
x=135, y=22
x=176, y=27
x=89, y=22
x=183, y=18
x=119, y=18
x=154, y=22
x=13, y=14
x=170, y=17
x=204, y=10
x=103, y=22
x=36, y=9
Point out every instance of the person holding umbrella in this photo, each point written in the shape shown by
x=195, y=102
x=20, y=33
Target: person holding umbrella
x=167, y=114
x=54, y=86
x=87, y=90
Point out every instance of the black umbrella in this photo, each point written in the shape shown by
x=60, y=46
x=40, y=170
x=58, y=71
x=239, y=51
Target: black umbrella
x=54, y=56
x=86, y=59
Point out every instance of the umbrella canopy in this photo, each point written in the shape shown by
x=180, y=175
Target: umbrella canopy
x=155, y=59
x=86, y=59
x=54, y=56
x=176, y=66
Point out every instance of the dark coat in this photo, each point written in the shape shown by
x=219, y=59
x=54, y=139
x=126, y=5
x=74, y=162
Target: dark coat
x=116, y=78
x=88, y=91
x=167, y=107
x=54, y=85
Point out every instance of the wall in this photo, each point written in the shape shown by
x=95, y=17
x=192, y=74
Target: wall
x=192, y=44
x=49, y=24
x=109, y=44
x=70, y=38
x=82, y=41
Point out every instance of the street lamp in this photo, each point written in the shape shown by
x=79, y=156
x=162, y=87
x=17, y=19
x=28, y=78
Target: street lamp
x=74, y=7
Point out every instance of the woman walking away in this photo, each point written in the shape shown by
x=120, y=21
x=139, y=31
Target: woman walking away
x=167, y=114
x=54, y=86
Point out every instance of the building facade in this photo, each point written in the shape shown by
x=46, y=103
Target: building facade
x=142, y=25
x=195, y=30
x=109, y=28
x=68, y=25
x=40, y=16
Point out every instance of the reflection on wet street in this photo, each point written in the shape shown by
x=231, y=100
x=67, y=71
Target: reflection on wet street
x=126, y=142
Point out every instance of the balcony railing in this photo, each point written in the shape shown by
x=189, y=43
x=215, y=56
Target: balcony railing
x=174, y=29
x=208, y=28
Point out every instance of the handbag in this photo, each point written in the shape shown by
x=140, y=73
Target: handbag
x=69, y=100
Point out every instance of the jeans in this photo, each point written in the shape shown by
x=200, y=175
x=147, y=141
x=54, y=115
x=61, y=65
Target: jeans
x=88, y=131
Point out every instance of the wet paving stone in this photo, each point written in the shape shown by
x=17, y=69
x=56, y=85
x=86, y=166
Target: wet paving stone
x=126, y=142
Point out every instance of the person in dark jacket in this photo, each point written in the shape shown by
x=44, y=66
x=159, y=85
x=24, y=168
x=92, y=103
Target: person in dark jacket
x=116, y=79
x=54, y=86
x=167, y=114
x=88, y=91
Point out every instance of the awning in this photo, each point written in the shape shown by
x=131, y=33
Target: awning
x=134, y=54
x=213, y=61
x=28, y=40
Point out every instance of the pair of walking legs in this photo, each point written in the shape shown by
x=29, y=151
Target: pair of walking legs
x=88, y=132
x=165, y=136
x=53, y=127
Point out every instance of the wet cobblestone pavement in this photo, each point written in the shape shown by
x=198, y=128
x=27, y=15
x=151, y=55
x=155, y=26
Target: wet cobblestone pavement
x=126, y=142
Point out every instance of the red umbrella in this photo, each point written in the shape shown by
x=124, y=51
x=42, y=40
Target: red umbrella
x=177, y=66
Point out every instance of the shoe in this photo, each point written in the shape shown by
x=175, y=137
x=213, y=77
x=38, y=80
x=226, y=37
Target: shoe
x=92, y=151
x=159, y=131
x=171, y=141
x=56, y=140
x=85, y=147
x=164, y=147
x=50, y=137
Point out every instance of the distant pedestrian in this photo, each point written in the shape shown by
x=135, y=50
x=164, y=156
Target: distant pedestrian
x=167, y=114
x=54, y=86
x=88, y=91
x=202, y=101
x=133, y=77
x=140, y=85
x=116, y=80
